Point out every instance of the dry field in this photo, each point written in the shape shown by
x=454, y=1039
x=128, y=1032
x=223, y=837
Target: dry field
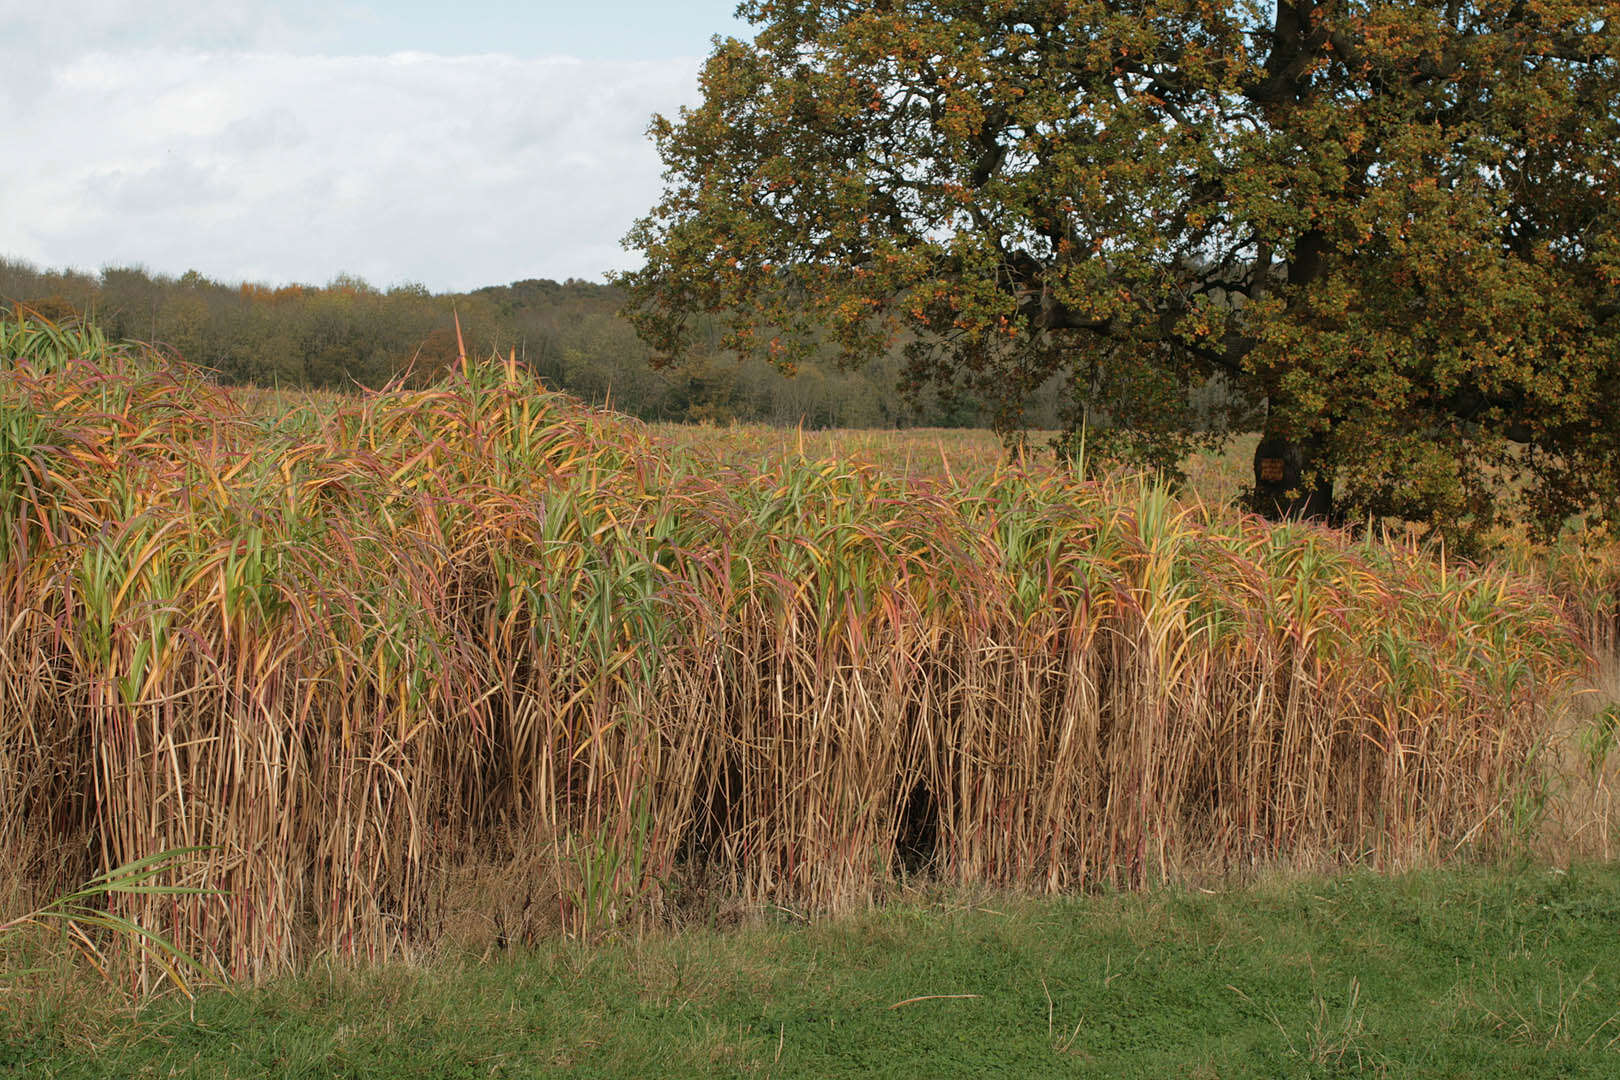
x=473, y=659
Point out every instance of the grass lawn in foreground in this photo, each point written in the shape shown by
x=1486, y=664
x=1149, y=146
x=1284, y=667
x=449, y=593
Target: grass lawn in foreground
x=1457, y=973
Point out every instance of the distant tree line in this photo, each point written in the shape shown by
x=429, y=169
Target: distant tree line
x=349, y=333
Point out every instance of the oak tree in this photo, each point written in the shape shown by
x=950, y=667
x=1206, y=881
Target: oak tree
x=1392, y=227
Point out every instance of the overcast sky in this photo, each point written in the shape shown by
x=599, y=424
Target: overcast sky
x=454, y=144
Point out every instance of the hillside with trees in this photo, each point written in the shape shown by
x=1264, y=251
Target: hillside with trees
x=349, y=333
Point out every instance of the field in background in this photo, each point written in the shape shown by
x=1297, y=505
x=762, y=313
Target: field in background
x=964, y=454
x=929, y=453
x=915, y=453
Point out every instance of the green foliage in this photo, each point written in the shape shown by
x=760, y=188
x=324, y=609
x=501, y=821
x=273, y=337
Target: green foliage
x=83, y=920
x=1394, y=225
x=1597, y=739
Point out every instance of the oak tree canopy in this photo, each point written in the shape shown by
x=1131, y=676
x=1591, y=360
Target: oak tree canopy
x=1392, y=228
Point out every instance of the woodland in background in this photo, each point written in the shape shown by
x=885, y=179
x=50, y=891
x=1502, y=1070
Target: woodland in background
x=570, y=334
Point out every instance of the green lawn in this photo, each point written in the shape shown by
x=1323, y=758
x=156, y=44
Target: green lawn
x=1460, y=973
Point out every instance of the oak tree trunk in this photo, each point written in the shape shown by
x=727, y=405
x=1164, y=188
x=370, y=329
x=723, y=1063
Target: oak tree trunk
x=1291, y=479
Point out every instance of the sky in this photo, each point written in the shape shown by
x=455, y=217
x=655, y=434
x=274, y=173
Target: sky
x=450, y=145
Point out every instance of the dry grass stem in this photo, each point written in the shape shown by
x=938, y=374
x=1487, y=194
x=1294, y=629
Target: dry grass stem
x=476, y=647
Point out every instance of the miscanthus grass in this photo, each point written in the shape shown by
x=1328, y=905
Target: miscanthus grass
x=428, y=656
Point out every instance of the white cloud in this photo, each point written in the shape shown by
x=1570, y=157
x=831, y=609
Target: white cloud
x=68, y=24
x=40, y=34
x=279, y=166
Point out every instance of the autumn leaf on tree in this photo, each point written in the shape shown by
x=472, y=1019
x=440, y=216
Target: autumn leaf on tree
x=1388, y=233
